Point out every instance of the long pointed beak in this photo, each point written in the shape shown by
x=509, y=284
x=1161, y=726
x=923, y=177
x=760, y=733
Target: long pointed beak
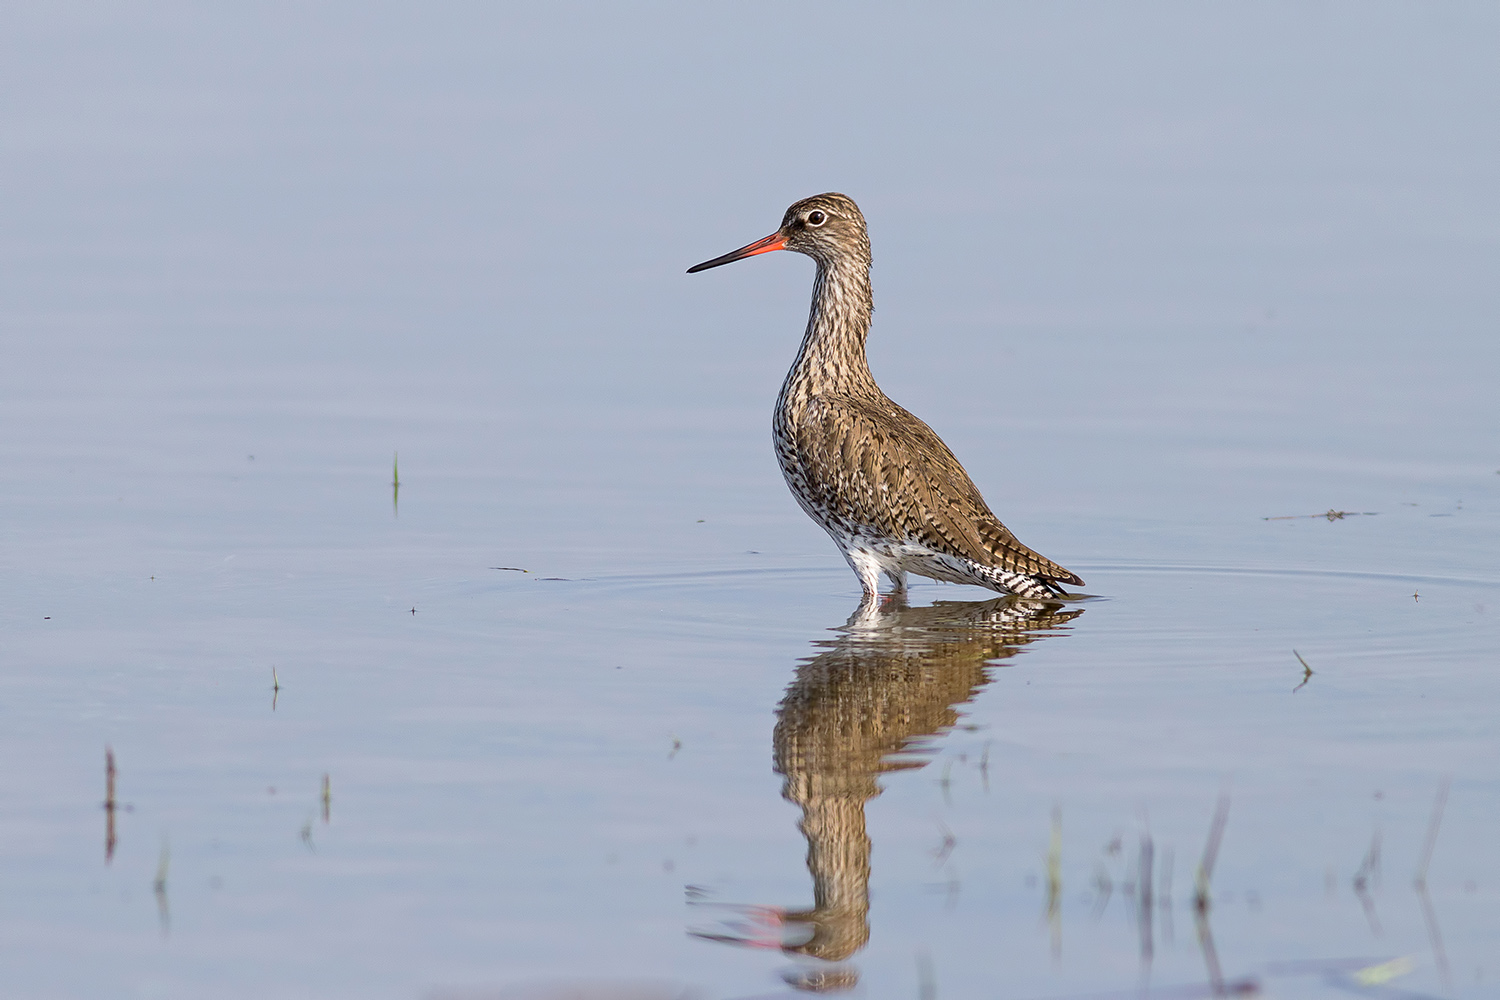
x=773, y=242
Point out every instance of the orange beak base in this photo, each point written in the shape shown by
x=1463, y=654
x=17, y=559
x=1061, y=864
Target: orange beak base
x=773, y=242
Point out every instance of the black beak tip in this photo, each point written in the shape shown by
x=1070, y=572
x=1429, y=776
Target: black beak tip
x=773, y=242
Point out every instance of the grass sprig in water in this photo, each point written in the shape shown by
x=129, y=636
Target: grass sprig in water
x=1307, y=672
x=1203, y=880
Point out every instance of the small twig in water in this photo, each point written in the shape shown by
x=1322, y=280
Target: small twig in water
x=1429, y=916
x=1433, y=826
x=941, y=852
x=109, y=805
x=1103, y=889
x=1164, y=894
x=1204, y=878
x=1369, y=868
x=1369, y=873
x=1216, y=984
x=1435, y=937
x=1148, y=857
x=1054, y=883
x=159, y=887
x=1307, y=672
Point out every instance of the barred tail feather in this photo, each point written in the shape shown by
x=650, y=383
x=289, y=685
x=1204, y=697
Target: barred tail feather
x=1025, y=585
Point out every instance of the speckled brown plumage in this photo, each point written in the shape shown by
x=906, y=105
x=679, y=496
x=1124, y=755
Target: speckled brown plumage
x=882, y=484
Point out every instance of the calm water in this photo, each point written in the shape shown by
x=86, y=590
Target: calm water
x=588, y=698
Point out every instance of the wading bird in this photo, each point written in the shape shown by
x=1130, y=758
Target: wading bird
x=876, y=478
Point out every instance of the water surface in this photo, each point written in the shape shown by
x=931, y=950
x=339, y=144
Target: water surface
x=590, y=696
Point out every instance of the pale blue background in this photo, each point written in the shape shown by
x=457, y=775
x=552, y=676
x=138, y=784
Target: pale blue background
x=1156, y=271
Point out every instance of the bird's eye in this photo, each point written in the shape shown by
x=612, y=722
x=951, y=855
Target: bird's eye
x=816, y=218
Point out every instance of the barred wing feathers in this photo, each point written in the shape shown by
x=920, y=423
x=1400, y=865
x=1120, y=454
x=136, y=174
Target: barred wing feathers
x=878, y=466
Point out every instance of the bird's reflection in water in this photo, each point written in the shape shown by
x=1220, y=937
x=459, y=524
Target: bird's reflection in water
x=860, y=708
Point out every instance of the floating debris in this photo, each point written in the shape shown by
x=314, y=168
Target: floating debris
x=1379, y=975
x=1328, y=515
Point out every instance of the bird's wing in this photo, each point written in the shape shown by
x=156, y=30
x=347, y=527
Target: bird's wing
x=885, y=468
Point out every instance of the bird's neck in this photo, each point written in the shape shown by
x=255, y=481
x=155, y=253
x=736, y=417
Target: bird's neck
x=832, y=358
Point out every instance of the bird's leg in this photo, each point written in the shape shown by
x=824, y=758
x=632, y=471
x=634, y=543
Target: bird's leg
x=867, y=568
x=898, y=582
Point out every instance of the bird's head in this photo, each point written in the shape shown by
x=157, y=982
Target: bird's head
x=826, y=227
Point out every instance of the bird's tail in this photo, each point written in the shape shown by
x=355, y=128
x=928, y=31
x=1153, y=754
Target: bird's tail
x=1027, y=584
